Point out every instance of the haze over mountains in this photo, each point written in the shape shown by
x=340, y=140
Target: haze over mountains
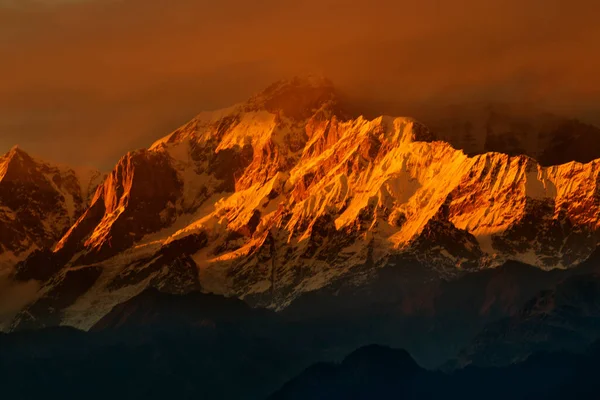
x=87, y=83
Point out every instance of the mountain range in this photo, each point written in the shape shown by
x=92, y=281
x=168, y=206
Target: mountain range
x=158, y=345
x=289, y=230
x=289, y=194
x=385, y=373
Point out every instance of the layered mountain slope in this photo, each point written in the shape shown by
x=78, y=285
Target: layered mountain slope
x=38, y=203
x=385, y=373
x=565, y=317
x=285, y=194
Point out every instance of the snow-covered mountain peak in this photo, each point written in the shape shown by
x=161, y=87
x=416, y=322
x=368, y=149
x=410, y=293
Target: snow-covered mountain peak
x=285, y=194
x=39, y=201
x=293, y=100
x=15, y=164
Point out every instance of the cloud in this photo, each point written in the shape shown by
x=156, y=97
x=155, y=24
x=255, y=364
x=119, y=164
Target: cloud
x=106, y=76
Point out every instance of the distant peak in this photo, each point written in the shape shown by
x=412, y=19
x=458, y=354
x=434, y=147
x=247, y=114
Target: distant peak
x=296, y=98
x=16, y=152
x=16, y=164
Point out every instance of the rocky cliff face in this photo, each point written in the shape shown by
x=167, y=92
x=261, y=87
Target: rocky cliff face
x=285, y=194
x=38, y=203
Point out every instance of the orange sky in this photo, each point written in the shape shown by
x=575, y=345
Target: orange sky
x=85, y=81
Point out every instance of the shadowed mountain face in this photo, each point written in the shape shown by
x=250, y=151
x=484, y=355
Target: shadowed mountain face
x=197, y=345
x=384, y=373
x=156, y=346
x=222, y=361
x=434, y=319
x=370, y=372
x=410, y=307
x=565, y=317
x=157, y=310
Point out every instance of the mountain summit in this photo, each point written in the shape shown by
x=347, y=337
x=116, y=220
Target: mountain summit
x=39, y=201
x=285, y=194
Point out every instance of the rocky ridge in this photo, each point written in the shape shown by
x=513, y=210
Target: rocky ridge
x=39, y=201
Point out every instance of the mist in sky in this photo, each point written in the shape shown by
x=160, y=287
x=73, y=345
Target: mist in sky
x=83, y=82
